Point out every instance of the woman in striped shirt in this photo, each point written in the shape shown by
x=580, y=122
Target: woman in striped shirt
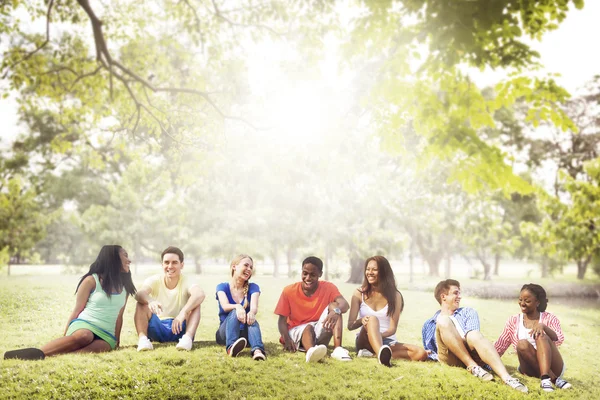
x=536, y=335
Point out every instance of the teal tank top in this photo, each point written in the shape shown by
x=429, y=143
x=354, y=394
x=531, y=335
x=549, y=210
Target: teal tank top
x=101, y=310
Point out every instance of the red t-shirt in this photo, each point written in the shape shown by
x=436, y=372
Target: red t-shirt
x=301, y=309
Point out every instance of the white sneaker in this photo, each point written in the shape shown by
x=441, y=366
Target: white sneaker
x=546, y=385
x=364, y=353
x=341, y=354
x=481, y=373
x=316, y=353
x=185, y=343
x=562, y=384
x=144, y=344
x=515, y=384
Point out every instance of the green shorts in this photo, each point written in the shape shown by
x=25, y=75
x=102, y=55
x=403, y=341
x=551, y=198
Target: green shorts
x=78, y=324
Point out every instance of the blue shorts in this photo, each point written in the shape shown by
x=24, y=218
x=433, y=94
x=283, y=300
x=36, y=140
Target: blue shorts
x=159, y=330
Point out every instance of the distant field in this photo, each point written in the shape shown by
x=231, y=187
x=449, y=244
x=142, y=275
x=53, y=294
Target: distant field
x=33, y=310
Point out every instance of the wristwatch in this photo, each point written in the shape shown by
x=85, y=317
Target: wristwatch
x=337, y=311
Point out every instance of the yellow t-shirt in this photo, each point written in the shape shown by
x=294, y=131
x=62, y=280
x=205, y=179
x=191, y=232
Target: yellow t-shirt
x=172, y=300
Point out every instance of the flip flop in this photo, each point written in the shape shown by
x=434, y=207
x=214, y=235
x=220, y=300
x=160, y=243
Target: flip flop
x=30, y=353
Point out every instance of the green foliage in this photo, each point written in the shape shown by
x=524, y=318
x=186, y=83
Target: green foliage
x=22, y=221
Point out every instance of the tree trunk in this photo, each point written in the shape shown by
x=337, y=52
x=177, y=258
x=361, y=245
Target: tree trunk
x=357, y=265
x=582, y=267
x=198, y=265
x=275, y=264
x=8, y=268
x=411, y=264
x=289, y=257
x=433, y=260
x=487, y=270
x=497, y=264
x=448, y=270
x=545, y=267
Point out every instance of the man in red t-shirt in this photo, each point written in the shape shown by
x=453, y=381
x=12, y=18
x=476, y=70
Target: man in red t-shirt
x=310, y=313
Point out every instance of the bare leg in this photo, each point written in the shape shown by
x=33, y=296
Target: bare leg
x=487, y=352
x=68, y=344
x=362, y=341
x=373, y=334
x=193, y=320
x=141, y=318
x=337, y=332
x=308, y=337
x=544, y=354
x=454, y=341
x=557, y=364
x=408, y=352
x=97, y=346
x=528, y=362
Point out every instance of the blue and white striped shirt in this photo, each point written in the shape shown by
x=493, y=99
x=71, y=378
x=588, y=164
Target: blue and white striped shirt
x=466, y=317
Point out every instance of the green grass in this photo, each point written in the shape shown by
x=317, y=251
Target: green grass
x=34, y=311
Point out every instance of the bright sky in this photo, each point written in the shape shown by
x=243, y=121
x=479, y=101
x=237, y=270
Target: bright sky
x=568, y=51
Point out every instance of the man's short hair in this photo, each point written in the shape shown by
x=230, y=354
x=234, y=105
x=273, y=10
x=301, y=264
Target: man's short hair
x=172, y=250
x=443, y=288
x=316, y=261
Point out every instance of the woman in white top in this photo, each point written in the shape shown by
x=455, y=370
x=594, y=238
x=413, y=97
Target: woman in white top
x=378, y=304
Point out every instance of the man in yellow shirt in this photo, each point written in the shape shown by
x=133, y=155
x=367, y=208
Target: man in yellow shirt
x=168, y=305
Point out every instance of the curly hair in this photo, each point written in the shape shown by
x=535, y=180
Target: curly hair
x=539, y=293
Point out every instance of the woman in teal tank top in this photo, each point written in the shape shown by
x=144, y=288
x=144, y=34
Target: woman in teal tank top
x=94, y=325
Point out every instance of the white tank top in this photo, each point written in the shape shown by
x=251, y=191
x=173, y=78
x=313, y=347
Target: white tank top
x=523, y=333
x=384, y=320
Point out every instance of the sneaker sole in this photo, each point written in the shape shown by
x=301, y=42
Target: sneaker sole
x=385, y=356
x=25, y=354
x=237, y=347
x=318, y=354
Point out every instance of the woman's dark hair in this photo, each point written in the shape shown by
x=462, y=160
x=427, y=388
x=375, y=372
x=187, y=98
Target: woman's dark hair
x=539, y=293
x=108, y=266
x=386, y=283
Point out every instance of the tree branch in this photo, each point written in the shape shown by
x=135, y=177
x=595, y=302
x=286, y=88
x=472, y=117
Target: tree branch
x=28, y=55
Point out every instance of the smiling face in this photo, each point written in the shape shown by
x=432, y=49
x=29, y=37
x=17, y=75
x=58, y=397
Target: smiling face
x=451, y=300
x=243, y=269
x=172, y=266
x=310, y=278
x=125, y=262
x=372, y=272
x=528, y=302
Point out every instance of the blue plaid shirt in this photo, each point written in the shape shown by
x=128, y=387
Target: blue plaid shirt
x=466, y=317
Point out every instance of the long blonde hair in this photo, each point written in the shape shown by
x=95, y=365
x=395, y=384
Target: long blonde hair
x=236, y=260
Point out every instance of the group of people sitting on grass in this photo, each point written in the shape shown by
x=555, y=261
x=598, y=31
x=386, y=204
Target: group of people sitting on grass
x=310, y=315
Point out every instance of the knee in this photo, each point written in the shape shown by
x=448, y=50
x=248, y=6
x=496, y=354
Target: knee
x=542, y=339
x=474, y=336
x=309, y=330
x=523, y=345
x=142, y=309
x=83, y=337
x=373, y=322
x=444, y=322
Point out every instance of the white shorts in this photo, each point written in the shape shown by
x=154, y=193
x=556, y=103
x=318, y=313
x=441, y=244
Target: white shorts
x=296, y=332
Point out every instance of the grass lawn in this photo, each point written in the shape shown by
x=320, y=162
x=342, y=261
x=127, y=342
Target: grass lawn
x=34, y=310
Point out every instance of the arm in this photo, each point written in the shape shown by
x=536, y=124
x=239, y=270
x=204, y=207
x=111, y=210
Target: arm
x=251, y=316
x=395, y=317
x=353, y=322
x=332, y=317
x=288, y=344
x=196, y=298
x=119, y=324
x=552, y=328
x=143, y=297
x=83, y=294
x=505, y=338
x=240, y=312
